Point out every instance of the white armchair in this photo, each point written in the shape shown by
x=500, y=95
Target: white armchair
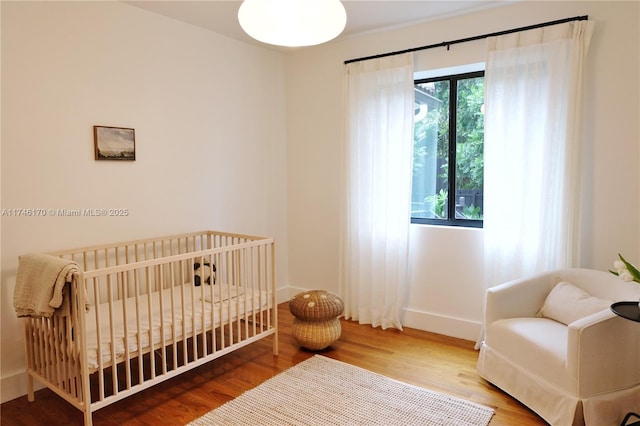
x=584, y=372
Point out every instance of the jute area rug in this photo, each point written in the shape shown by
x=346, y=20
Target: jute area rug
x=322, y=391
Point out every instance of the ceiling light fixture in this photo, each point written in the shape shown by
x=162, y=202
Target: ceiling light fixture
x=292, y=23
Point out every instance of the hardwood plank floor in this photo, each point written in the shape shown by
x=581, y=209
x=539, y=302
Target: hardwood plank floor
x=424, y=359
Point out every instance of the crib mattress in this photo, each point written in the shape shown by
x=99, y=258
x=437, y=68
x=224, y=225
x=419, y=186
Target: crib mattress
x=136, y=324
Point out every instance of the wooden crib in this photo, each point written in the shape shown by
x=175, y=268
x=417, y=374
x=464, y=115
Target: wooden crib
x=133, y=317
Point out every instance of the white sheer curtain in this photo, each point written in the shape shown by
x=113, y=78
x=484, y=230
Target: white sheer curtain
x=533, y=149
x=377, y=200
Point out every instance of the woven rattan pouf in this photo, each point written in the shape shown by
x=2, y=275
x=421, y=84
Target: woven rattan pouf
x=316, y=324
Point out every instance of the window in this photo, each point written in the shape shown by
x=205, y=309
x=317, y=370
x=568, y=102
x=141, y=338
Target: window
x=448, y=129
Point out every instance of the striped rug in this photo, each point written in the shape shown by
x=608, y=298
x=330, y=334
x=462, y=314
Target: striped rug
x=322, y=391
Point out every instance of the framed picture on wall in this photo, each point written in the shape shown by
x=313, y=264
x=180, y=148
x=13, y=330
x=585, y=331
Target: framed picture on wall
x=114, y=143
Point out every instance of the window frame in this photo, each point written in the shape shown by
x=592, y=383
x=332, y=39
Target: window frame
x=451, y=219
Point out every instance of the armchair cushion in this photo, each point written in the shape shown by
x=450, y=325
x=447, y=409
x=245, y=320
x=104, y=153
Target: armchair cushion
x=545, y=341
x=567, y=303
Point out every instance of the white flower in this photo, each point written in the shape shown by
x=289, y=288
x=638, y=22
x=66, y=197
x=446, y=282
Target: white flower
x=625, y=270
x=625, y=275
x=619, y=266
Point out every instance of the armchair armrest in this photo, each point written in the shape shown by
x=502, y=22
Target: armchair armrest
x=603, y=353
x=517, y=298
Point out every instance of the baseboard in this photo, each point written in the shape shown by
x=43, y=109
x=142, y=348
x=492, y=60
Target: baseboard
x=288, y=292
x=442, y=324
x=420, y=320
x=15, y=386
x=284, y=294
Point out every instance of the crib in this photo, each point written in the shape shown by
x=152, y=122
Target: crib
x=132, y=317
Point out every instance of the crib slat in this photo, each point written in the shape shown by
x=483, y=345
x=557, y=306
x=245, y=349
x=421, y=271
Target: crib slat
x=112, y=334
x=29, y=353
x=162, y=332
x=173, y=348
x=152, y=363
x=194, y=342
x=203, y=314
x=122, y=283
x=136, y=289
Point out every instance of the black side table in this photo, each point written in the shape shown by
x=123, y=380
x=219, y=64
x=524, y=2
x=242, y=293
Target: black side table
x=630, y=311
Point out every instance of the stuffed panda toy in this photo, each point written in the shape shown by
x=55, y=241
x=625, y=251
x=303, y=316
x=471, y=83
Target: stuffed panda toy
x=204, y=272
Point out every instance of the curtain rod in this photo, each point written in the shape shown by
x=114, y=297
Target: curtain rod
x=447, y=44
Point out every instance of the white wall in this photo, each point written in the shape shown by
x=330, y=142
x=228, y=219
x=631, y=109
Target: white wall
x=447, y=272
x=209, y=116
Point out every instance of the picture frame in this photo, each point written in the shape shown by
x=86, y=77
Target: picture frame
x=114, y=143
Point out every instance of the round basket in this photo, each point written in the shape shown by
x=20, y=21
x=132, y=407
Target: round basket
x=316, y=305
x=316, y=335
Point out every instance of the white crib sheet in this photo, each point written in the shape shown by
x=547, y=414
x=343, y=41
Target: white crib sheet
x=171, y=327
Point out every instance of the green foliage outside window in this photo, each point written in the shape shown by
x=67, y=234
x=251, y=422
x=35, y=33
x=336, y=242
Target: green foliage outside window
x=431, y=148
x=470, y=134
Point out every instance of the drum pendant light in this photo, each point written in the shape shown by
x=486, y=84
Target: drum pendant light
x=292, y=23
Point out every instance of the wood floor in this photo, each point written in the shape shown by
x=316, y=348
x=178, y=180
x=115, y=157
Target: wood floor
x=424, y=359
